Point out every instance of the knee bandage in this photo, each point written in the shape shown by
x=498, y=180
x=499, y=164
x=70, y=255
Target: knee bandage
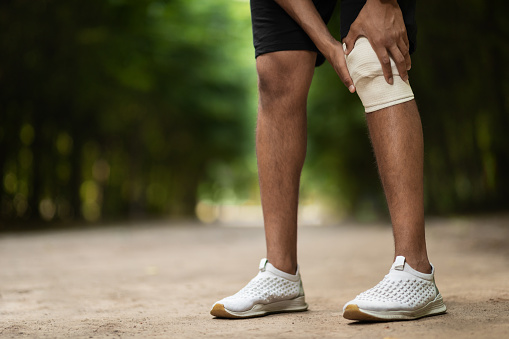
x=368, y=78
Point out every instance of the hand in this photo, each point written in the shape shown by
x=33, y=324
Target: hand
x=381, y=22
x=336, y=57
x=305, y=14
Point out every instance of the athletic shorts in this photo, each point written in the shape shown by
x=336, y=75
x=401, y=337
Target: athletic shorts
x=274, y=30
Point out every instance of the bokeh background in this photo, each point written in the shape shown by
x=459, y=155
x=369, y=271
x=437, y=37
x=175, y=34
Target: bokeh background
x=125, y=110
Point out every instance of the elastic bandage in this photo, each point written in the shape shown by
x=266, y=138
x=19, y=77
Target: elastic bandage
x=368, y=78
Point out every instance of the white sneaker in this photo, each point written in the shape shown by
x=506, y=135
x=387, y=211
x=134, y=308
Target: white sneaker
x=271, y=291
x=403, y=294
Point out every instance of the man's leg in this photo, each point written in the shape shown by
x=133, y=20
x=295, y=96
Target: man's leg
x=284, y=79
x=396, y=135
x=409, y=290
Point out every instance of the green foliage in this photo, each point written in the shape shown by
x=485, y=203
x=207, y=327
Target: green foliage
x=461, y=78
x=115, y=108
x=139, y=108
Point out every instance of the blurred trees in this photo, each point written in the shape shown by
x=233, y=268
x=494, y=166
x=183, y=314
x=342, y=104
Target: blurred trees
x=121, y=108
x=116, y=108
x=462, y=77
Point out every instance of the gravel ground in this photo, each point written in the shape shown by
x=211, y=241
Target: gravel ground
x=160, y=279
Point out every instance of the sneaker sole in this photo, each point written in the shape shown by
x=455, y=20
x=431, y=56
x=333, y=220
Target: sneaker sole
x=435, y=307
x=294, y=305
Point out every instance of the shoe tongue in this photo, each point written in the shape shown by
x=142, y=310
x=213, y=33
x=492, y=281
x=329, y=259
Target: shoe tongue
x=399, y=263
x=263, y=263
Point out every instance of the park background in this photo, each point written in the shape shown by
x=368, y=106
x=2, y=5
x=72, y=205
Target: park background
x=140, y=116
x=127, y=110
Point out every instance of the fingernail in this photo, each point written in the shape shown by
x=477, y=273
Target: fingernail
x=391, y=80
x=351, y=88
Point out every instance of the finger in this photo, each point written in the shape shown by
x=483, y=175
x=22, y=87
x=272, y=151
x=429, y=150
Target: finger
x=400, y=62
x=385, y=61
x=351, y=38
x=344, y=75
x=346, y=79
x=406, y=54
x=349, y=42
x=408, y=62
x=405, y=40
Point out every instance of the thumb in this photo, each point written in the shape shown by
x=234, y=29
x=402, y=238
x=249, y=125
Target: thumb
x=349, y=40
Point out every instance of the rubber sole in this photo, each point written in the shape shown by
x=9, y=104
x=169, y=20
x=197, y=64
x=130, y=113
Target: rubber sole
x=435, y=307
x=294, y=305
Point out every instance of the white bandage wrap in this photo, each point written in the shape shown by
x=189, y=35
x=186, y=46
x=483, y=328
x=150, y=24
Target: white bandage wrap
x=368, y=78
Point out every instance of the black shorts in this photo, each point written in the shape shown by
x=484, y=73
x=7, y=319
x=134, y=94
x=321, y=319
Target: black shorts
x=274, y=30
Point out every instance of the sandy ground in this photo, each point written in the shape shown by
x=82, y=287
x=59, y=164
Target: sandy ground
x=160, y=279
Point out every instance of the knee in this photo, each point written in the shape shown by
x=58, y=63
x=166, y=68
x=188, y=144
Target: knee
x=284, y=78
x=272, y=84
x=367, y=75
x=273, y=81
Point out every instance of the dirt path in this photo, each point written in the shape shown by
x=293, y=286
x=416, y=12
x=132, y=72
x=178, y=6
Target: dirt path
x=159, y=281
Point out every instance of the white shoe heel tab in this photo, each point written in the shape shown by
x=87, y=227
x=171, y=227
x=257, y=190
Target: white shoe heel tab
x=263, y=263
x=399, y=263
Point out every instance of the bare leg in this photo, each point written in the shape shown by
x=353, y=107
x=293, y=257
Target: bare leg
x=281, y=138
x=396, y=135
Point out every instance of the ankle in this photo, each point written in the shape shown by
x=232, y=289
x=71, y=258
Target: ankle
x=286, y=265
x=420, y=264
